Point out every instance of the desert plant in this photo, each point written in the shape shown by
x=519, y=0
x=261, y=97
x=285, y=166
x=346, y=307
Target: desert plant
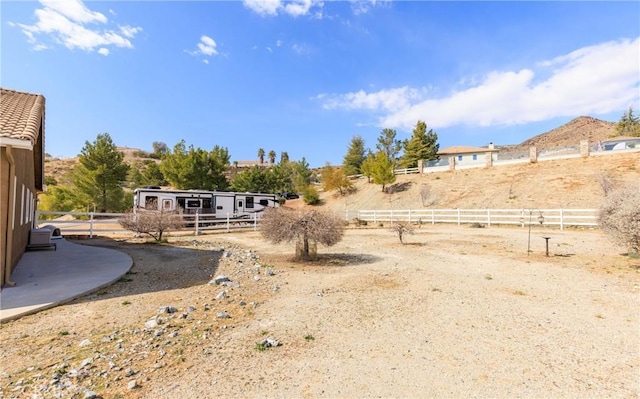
x=310, y=195
x=619, y=217
x=306, y=227
x=151, y=222
x=401, y=229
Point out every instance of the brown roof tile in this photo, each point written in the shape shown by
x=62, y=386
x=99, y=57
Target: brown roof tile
x=20, y=115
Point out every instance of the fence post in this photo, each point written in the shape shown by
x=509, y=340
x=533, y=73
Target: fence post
x=458, y=216
x=433, y=216
x=391, y=216
x=37, y=221
x=91, y=225
x=228, y=227
x=561, y=219
x=375, y=217
x=409, y=216
x=488, y=217
x=255, y=221
x=197, y=223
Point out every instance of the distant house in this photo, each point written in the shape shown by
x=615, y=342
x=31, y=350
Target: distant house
x=460, y=156
x=21, y=172
x=619, y=143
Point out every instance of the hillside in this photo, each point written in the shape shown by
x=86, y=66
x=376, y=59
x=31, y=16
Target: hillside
x=571, y=133
x=569, y=183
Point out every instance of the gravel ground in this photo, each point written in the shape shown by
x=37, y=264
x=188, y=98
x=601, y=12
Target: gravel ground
x=453, y=312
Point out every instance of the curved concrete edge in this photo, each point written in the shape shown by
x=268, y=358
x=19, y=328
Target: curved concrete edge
x=46, y=279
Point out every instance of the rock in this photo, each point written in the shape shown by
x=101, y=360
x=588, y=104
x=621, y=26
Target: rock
x=85, y=342
x=90, y=395
x=151, y=324
x=223, y=315
x=242, y=303
x=231, y=284
x=256, y=278
x=221, y=295
x=219, y=280
x=86, y=362
x=129, y=373
x=191, y=309
x=270, y=342
x=269, y=272
x=167, y=309
x=276, y=288
x=133, y=384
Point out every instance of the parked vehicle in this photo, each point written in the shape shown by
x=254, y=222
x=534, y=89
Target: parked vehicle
x=215, y=204
x=289, y=195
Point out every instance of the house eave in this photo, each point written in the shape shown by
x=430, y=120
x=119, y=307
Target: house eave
x=16, y=143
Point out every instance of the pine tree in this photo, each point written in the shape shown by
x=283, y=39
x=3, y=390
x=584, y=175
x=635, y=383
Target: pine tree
x=629, y=124
x=195, y=168
x=99, y=177
x=388, y=144
x=382, y=170
x=421, y=146
x=355, y=156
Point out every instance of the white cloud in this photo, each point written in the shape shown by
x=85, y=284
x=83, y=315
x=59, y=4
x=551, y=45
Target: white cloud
x=364, y=6
x=207, y=46
x=293, y=8
x=597, y=79
x=71, y=24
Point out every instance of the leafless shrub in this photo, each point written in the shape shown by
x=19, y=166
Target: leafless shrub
x=152, y=223
x=620, y=216
x=401, y=229
x=306, y=227
x=426, y=194
x=606, y=183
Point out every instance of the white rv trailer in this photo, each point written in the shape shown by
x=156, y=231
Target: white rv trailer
x=216, y=204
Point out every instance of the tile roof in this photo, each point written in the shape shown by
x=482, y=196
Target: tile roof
x=463, y=149
x=20, y=115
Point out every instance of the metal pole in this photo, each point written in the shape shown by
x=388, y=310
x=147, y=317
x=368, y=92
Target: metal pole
x=91, y=225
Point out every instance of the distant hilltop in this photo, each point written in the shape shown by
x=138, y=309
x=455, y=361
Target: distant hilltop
x=572, y=132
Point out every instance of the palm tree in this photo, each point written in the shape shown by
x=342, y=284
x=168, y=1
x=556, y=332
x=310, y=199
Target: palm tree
x=261, y=155
x=272, y=157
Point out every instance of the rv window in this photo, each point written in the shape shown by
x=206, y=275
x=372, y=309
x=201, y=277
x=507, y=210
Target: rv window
x=239, y=204
x=219, y=207
x=264, y=202
x=206, y=203
x=193, y=203
x=249, y=201
x=151, y=202
x=167, y=204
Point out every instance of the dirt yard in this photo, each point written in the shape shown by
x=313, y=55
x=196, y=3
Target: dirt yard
x=453, y=312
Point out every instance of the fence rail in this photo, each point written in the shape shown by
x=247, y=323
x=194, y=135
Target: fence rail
x=92, y=223
x=549, y=217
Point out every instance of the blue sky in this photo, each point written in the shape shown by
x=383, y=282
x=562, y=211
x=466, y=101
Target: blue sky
x=307, y=76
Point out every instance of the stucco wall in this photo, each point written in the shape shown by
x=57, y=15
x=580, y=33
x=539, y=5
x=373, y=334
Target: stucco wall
x=24, y=195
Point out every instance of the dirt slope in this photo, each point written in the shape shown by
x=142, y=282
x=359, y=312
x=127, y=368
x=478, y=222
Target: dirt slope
x=570, y=183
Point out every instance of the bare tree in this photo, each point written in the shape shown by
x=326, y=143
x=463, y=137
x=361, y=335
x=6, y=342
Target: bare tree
x=606, y=183
x=306, y=227
x=152, y=222
x=620, y=216
x=402, y=228
x=426, y=194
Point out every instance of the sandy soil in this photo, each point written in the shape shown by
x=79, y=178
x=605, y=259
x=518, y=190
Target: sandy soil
x=453, y=312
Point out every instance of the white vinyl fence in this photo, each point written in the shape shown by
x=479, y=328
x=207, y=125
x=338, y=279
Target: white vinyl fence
x=549, y=217
x=92, y=223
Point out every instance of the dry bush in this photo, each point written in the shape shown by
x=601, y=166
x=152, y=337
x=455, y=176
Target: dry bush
x=401, y=229
x=152, y=223
x=304, y=226
x=620, y=216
